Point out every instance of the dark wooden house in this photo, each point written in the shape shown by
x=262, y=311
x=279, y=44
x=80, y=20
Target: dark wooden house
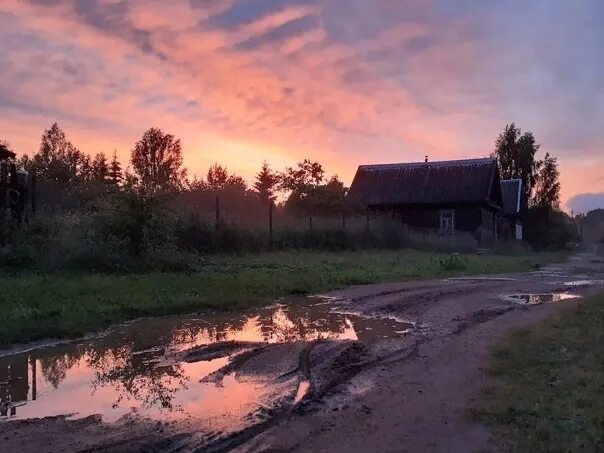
x=448, y=196
x=513, y=203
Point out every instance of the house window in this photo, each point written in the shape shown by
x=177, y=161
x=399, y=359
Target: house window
x=447, y=221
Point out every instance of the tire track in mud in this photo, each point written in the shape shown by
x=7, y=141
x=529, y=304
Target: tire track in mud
x=347, y=369
x=345, y=365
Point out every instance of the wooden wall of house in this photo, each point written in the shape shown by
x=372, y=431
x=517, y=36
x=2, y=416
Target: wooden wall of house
x=469, y=218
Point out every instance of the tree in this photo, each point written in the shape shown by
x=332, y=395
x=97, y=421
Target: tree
x=85, y=169
x=267, y=183
x=100, y=169
x=547, y=188
x=302, y=181
x=5, y=147
x=306, y=176
x=157, y=163
x=218, y=179
x=57, y=160
x=329, y=198
x=515, y=153
x=115, y=175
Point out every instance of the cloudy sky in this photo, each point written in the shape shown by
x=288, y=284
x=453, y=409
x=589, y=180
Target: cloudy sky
x=346, y=82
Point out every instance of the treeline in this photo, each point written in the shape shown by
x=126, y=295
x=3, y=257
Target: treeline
x=156, y=169
x=98, y=213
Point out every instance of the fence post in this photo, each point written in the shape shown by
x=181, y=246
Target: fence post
x=310, y=223
x=217, y=210
x=343, y=221
x=270, y=223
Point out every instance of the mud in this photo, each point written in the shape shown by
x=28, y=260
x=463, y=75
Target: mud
x=391, y=367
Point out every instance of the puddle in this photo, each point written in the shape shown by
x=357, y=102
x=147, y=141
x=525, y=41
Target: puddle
x=582, y=283
x=535, y=299
x=131, y=368
x=480, y=279
x=302, y=391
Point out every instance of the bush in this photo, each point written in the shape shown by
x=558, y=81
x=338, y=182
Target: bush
x=452, y=263
x=119, y=235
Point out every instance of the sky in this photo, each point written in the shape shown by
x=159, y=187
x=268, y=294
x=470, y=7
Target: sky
x=345, y=82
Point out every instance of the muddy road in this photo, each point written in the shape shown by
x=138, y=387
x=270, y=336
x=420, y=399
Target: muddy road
x=389, y=367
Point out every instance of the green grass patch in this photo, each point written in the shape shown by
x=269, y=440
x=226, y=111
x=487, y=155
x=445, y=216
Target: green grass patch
x=549, y=384
x=35, y=306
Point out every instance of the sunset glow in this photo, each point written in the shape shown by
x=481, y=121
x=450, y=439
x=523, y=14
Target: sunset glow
x=343, y=82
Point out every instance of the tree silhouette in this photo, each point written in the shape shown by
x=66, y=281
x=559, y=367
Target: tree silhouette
x=157, y=163
x=302, y=181
x=267, y=183
x=100, y=169
x=115, y=175
x=5, y=149
x=329, y=198
x=515, y=153
x=58, y=160
x=547, y=189
x=218, y=179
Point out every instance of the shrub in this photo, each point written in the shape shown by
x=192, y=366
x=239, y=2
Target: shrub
x=452, y=263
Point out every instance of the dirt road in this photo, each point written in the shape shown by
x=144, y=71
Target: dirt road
x=409, y=392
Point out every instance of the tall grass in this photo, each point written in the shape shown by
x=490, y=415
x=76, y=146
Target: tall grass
x=126, y=237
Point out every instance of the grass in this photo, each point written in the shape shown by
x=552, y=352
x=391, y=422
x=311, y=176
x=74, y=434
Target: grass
x=549, y=391
x=34, y=306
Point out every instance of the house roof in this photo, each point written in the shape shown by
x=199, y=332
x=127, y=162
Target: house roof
x=6, y=153
x=511, y=190
x=445, y=182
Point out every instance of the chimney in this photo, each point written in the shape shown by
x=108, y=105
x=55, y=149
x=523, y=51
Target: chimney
x=426, y=159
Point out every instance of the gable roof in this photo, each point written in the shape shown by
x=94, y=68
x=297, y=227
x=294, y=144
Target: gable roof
x=445, y=182
x=6, y=153
x=511, y=190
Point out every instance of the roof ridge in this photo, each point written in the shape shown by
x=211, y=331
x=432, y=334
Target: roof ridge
x=432, y=163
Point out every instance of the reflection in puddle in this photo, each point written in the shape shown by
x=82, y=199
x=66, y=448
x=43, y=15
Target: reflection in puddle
x=535, y=299
x=131, y=368
x=302, y=391
x=480, y=279
x=582, y=283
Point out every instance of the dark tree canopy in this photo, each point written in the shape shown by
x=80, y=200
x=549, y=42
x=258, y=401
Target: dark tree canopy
x=516, y=155
x=5, y=150
x=100, y=169
x=305, y=176
x=329, y=198
x=57, y=160
x=302, y=182
x=157, y=163
x=115, y=175
x=218, y=179
x=547, y=188
x=267, y=183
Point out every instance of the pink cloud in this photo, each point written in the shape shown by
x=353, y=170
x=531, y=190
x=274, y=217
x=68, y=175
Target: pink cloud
x=396, y=93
